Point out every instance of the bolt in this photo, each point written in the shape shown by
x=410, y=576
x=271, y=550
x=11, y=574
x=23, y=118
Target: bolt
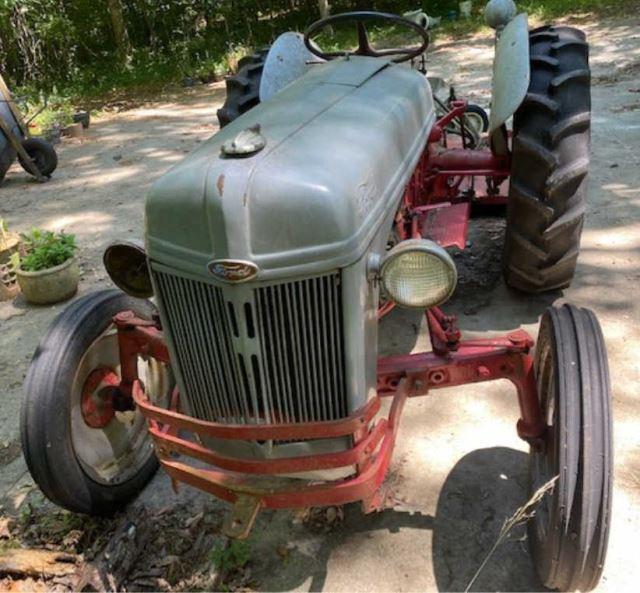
x=125, y=315
x=483, y=372
x=437, y=377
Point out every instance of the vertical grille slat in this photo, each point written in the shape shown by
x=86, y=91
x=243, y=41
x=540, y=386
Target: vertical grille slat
x=299, y=376
x=332, y=341
x=182, y=336
x=219, y=371
x=225, y=328
x=286, y=337
x=284, y=363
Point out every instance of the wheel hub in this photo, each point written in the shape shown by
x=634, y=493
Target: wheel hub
x=97, y=397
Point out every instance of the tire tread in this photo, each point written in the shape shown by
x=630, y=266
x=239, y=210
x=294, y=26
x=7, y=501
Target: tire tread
x=550, y=163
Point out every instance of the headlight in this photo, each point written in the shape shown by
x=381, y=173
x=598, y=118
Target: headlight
x=126, y=264
x=418, y=273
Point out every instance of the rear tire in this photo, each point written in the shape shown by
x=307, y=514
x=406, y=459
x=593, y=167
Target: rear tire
x=243, y=88
x=550, y=161
x=58, y=445
x=42, y=154
x=568, y=533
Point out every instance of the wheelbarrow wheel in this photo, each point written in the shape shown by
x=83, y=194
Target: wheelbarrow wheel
x=83, y=455
x=478, y=117
x=568, y=533
x=42, y=154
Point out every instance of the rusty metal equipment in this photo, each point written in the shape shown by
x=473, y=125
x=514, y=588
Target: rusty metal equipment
x=15, y=139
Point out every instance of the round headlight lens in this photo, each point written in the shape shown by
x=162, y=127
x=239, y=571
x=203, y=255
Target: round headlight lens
x=126, y=264
x=419, y=274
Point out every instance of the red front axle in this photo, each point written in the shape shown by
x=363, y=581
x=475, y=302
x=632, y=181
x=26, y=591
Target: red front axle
x=253, y=484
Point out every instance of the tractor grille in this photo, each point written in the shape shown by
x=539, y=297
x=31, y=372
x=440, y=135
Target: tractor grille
x=277, y=357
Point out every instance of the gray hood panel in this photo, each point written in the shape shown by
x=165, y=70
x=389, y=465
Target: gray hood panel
x=342, y=143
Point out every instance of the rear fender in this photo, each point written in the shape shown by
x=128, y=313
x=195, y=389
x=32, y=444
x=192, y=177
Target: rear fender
x=287, y=60
x=511, y=74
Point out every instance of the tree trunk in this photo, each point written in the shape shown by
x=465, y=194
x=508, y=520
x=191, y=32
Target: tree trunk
x=119, y=29
x=323, y=5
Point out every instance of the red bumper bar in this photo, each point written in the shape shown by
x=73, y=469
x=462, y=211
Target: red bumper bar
x=230, y=477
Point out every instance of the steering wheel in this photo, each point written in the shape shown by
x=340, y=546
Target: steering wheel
x=364, y=47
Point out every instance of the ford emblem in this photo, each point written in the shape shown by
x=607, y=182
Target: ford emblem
x=233, y=271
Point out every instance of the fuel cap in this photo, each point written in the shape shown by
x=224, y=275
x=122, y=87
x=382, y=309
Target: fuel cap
x=249, y=141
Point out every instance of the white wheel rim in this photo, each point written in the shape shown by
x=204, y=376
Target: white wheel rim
x=474, y=120
x=117, y=452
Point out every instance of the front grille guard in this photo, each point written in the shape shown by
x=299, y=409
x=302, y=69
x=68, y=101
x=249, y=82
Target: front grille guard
x=254, y=484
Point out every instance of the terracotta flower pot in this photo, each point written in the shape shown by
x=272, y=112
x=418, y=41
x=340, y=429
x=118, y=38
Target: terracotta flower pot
x=52, y=285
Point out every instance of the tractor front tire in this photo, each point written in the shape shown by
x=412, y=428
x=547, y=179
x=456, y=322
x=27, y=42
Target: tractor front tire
x=243, y=88
x=87, y=465
x=569, y=531
x=550, y=161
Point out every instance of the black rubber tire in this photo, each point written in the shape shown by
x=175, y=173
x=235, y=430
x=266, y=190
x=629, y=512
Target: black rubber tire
x=473, y=108
x=243, y=88
x=550, y=162
x=569, y=531
x=42, y=154
x=45, y=414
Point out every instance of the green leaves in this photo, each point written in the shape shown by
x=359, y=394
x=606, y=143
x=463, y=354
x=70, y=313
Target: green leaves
x=232, y=555
x=44, y=249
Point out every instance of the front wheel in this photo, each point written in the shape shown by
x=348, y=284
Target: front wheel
x=569, y=531
x=83, y=455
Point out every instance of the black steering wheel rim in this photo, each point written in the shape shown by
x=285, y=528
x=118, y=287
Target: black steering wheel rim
x=364, y=47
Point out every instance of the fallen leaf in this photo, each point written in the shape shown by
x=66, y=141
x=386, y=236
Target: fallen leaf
x=194, y=520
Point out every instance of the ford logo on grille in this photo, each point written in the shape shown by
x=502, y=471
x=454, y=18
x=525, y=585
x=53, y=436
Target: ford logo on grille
x=230, y=270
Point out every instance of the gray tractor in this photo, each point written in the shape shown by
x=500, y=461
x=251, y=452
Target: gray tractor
x=240, y=349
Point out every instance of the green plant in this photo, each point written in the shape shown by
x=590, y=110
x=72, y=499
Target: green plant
x=42, y=250
x=231, y=556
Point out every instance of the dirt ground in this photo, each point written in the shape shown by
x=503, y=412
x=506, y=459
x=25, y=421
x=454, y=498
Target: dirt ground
x=459, y=469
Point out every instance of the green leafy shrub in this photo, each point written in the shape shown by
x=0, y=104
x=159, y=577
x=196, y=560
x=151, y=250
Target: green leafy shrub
x=42, y=250
x=230, y=557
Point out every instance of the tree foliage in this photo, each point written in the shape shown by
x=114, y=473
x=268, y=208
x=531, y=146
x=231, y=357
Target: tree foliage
x=91, y=42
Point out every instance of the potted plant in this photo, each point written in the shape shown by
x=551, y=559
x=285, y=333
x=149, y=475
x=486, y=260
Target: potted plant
x=48, y=271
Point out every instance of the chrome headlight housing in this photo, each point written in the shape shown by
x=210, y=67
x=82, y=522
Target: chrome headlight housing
x=418, y=274
x=126, y=264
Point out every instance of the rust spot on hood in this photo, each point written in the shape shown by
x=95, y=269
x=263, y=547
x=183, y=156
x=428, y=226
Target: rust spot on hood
x=220, y=184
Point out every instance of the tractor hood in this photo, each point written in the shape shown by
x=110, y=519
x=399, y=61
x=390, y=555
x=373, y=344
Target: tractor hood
x=341, y=144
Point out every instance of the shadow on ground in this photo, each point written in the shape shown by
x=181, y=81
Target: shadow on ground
x=484, y=488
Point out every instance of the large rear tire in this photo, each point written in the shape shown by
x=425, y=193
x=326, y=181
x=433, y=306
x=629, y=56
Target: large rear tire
x=550, y=162
x=243, y=88
x=87, y=463
x=569, y=531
